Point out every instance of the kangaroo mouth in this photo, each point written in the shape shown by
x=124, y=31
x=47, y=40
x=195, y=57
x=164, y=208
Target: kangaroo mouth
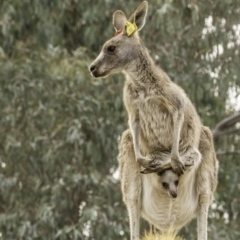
x=96, y=74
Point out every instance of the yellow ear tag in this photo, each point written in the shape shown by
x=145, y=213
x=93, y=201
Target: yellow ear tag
x=130, y=28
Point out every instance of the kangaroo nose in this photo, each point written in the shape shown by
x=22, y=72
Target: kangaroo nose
x=92, y=68
x=174, y=195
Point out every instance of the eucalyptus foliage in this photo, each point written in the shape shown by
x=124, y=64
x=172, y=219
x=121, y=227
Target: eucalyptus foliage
x=60, y=127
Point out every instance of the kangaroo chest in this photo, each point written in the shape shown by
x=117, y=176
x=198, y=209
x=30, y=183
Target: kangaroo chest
x=156, y=122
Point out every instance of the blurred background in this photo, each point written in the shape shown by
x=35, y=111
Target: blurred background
x=59, y=127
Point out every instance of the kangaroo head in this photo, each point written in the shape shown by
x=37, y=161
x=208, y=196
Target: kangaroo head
x=169, y=181
x=120, y=51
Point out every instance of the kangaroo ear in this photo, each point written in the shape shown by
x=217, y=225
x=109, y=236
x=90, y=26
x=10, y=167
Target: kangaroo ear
x=119, y=20
x=139, y=16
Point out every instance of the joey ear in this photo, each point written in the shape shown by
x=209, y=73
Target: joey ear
x=139, y=16
x=119, y=20
x=160, y=173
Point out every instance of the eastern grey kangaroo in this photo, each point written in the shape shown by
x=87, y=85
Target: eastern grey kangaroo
x=161, y=117
x=165, y=131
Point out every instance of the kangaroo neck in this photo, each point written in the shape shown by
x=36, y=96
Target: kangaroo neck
x=143, y=70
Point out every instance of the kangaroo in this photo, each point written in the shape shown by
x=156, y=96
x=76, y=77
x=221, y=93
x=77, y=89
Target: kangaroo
x=165, y=131
x=169, y=182
x=161, y=116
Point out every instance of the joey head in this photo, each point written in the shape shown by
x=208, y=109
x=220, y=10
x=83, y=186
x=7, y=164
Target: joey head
x=169, y=182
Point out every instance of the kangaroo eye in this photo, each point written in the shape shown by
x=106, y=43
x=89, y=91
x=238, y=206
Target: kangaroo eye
x=111, y=48
x=176, y=183
x=165, y=185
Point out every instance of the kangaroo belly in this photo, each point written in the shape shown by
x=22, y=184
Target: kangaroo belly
x=165, y=212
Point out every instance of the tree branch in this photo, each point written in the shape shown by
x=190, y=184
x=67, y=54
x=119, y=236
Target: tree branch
x=225, y=132
x=222, y=127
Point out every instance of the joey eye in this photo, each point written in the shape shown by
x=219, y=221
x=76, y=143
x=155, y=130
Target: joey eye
x=176, y=183
x=111, y=49
x=165, y=185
